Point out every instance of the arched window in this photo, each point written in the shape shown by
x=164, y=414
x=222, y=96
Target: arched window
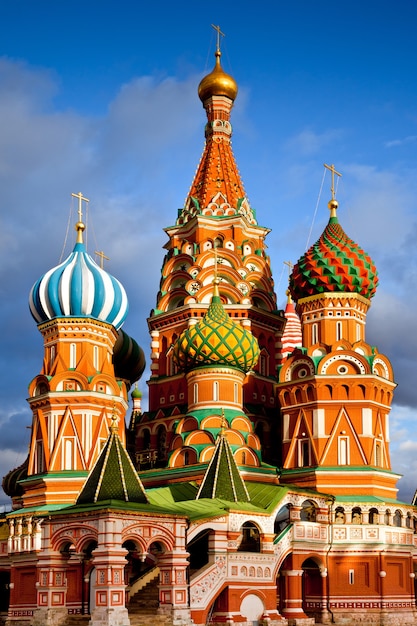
x=339, y=515
x=397, y=519
x=356, y=515
x=373, y=516
x=308, y=511
x=251, y=540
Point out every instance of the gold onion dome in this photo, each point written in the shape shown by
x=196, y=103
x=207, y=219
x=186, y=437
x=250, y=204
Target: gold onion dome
x=216, y=340
x=217, y=83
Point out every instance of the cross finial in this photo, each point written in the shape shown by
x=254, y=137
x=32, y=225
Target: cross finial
x=290, y=266
x=79, y=227
x=102, y=257
x=333, y=171
x=219, y=33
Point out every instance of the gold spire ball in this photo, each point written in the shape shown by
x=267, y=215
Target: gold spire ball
x=217, y=83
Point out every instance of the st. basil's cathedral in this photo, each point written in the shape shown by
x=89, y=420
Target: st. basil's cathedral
x=257, y=487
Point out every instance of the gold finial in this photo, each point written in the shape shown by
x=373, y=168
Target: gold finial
x=102, y=257
x=114, y=421
x=219, y=33
x=80, y=226
x=223, y=424
x=333, y=204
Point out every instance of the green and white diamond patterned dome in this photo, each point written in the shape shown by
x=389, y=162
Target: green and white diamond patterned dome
x=216, y=340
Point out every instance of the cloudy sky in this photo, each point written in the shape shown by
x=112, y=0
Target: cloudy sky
x=101, y=97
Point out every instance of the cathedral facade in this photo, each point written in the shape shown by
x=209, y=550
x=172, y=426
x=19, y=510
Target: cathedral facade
x=257, y=487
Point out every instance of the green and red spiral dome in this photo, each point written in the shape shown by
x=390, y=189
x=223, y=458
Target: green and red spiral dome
x=334, y=263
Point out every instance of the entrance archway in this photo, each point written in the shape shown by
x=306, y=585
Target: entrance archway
x=312, y=586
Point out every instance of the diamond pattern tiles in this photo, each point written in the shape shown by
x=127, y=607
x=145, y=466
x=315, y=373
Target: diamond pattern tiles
x=216, y=340
x=334, y=263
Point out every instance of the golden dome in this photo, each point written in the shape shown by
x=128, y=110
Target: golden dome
x=217, y=83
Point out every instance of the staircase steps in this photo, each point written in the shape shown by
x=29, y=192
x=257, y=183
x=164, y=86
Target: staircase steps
x=77, y=620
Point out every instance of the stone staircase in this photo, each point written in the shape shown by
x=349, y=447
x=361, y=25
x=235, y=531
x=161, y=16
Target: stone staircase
x=143, y=606
x=77, y=620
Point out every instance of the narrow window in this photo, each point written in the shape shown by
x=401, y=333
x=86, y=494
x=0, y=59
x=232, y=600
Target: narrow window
x=378, y=455
x=358, y=332
x=52, y=354
x=39, y=457
x=195, y=393
x=314, y=334
x=236, y=393
x=96, y=357
x=73, y=356
x=303, y=453
x=68, y=454
x=351, y=576
x=343, y=451
x=338, y=331
x=215, y=391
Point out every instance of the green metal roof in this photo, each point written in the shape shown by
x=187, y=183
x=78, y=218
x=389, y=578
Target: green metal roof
x=222, y=478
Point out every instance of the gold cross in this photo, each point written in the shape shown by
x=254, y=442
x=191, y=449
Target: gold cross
x=102, y=257
x=290, y=266
x=333, y=171
x=80, y=204
x=219, y=32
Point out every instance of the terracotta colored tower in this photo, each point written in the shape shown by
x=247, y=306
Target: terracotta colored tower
x=335, y=392
x=85, y=377
x=215, y=233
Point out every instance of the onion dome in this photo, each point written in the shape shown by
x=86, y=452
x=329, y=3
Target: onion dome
x=128, y=358
x=334, y=263
x=217, y=83
x=78, y=287
x=10, y=484
x=216, y=340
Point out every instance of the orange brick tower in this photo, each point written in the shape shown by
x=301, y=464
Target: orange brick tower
x=215, y=232
x=85, y=375
x=335, y=392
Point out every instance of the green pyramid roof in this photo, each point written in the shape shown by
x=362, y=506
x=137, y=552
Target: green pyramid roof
x=222, y=478
x=113, y=477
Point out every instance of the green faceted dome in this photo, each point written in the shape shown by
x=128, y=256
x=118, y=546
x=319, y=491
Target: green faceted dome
x=334, y=263
x=216, y=340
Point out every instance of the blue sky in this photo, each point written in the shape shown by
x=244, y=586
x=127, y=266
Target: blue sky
x=101, y=97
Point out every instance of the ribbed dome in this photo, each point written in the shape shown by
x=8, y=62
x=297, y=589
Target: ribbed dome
x=334, y=263
x=216, y=340
x=217, y=83
x=78, y=287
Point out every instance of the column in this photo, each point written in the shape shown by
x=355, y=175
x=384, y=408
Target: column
x=293, y=601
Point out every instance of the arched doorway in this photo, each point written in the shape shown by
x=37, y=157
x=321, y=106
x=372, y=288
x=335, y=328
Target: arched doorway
x=4, y=592
x=312, y=586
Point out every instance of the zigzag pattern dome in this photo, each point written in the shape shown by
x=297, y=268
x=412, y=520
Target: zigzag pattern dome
x=216, y=340
x=78, y=287
x=334, y=263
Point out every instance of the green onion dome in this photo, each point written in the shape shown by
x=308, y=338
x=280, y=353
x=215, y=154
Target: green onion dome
x=216, y=340
x=334, y=263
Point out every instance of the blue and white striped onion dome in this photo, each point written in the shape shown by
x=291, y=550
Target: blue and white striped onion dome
x=78, y=287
